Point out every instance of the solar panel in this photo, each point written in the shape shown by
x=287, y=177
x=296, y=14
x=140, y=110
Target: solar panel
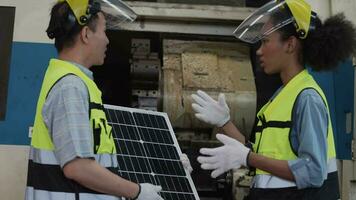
x=148, y=151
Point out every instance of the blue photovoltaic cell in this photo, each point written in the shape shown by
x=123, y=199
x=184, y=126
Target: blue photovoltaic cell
x=146, y=151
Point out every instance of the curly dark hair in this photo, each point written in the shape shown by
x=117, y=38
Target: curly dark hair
x=332, y=42
x=327, y=44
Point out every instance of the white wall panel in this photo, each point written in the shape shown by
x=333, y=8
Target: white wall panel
x=31, y=19
x=348, y=7
x=13, y=171
x=321, y=7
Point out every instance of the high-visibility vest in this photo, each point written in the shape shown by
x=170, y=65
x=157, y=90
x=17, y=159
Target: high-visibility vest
x=275, y=121
x=45, y=176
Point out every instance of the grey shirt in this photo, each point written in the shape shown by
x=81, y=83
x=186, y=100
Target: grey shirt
x=66, y=115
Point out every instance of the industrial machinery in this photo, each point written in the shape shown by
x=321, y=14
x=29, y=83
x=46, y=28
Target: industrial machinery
x=169, y=53
x=213, y=67
x=174, y=48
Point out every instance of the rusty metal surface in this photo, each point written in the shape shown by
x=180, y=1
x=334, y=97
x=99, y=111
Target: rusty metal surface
x=200, y=70
x=213, y=67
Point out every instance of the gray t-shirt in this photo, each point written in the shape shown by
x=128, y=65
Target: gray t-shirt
x=66, y=115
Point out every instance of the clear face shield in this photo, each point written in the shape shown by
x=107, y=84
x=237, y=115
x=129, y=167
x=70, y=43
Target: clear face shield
x=116, y=12
x=269, y=18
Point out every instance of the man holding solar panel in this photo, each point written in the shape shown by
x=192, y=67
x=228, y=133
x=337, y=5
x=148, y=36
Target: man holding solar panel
x=72, y=153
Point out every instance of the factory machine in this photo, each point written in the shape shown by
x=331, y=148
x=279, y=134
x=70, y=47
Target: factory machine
x=170, y=52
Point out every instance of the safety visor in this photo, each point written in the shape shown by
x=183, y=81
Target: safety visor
x=264, y=21
x=116, y=12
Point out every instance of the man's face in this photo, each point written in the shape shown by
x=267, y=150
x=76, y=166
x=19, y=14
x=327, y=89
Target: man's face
x=98, y=41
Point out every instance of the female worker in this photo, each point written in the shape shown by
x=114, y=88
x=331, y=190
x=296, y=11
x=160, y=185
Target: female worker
x=294, y=152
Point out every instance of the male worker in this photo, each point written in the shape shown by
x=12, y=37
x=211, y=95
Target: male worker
x=72, y=149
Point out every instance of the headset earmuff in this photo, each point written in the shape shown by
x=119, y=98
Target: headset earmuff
x=84, y=19
x=301, y=33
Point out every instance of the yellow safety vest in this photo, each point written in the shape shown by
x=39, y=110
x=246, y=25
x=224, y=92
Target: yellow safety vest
x=275, y=121
x=45, y=177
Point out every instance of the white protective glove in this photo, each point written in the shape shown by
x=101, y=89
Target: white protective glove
x=186, y=163
x=149, y=192
x=210, y=111
x=221, y=159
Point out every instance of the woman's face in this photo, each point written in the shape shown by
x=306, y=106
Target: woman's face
x=272, y=54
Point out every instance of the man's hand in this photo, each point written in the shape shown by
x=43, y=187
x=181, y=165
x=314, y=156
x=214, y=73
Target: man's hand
x=186, y=163
x=210, y=111
x=232, y=155
x=149, y=192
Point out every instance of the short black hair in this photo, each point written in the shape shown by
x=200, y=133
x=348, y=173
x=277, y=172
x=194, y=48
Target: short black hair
x=64, y=27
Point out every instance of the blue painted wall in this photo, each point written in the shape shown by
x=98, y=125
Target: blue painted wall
x=338, y=87
x=344, y=103
x=28, y=64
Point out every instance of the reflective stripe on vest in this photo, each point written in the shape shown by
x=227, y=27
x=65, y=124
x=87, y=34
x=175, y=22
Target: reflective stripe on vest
x=32, y=194
x=47, y=157
x=275, y=121
x=45, y=177
x=269, y=181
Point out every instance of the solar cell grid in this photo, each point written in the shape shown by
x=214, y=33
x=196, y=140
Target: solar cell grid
x=148, y=152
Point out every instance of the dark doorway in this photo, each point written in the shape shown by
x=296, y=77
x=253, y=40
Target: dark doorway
x=7, y=19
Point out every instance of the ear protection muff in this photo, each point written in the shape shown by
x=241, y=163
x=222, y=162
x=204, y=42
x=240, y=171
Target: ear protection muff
x=313, y=21
x=301, y=33
x=58, y=28
x=93, y=8
x=83, y=19
x=303, y=16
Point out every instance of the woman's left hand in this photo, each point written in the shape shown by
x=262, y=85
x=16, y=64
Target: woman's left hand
x=233, y=154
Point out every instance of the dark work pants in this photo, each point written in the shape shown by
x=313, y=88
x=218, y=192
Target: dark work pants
x=328, y=191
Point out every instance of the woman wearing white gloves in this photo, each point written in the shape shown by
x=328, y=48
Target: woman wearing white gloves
x=294, y=153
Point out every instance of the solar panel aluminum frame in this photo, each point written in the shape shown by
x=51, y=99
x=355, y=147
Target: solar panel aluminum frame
x=169, y=127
